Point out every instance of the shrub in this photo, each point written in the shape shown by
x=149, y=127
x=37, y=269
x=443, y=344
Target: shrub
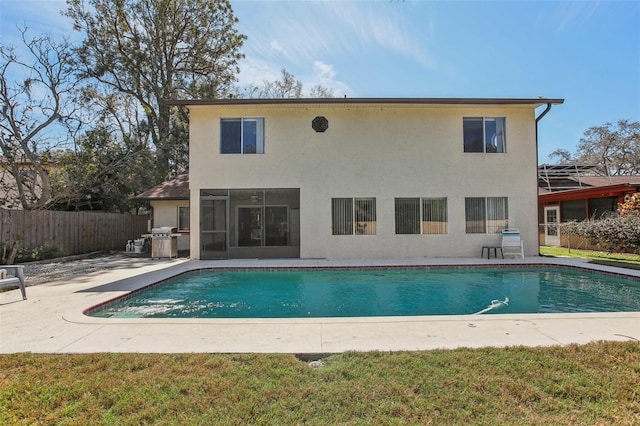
x=43, y=252
x=614, y=233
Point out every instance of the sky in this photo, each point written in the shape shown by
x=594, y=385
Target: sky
x=586, y=52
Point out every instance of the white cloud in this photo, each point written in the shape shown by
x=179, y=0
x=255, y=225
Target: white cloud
x=308, y=38
x=304, y=31
x=324, y=71
x=276, y=47
x=380, y=25
x=324, y=75
x=575, y=13
x=255, y=72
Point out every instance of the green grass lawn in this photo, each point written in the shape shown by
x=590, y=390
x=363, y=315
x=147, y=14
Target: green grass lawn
x=623, y=260
x=597, y=383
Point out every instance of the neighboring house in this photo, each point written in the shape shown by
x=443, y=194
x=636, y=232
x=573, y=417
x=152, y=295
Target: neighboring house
x=361, y=178
x=9, y=195
x=577, y=192
x=170, y=204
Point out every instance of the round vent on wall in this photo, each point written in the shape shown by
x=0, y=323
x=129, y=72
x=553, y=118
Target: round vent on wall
x=320, y=124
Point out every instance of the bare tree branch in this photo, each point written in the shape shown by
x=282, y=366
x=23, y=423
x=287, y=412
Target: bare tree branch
x=37, y=113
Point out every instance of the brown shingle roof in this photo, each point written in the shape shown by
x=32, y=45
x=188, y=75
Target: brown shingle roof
x=173, y=189
x=609, y=180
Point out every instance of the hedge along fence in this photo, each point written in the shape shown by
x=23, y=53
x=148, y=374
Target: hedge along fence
x=70, y=232
x=614, y=233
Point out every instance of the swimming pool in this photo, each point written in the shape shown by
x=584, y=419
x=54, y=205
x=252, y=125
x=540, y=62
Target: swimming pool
x=377, y=292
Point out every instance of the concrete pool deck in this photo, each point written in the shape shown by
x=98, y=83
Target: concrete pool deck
x=51, y=320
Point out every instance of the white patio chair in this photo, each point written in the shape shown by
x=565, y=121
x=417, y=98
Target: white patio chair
x=16, y=280
x=512, y=243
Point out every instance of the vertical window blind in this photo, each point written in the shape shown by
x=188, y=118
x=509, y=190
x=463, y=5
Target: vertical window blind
x=485, y=215
x=474, y=210
x=365, y=216
x=434, y=216
x=345, y=210
x=407, y=215
x=497, y=214
x=421, y=216
x=342, y=216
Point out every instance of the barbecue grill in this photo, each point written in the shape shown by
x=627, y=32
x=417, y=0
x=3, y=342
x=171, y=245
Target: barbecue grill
x=164, y=242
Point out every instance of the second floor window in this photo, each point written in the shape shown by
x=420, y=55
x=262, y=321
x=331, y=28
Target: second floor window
x=242, y=136
x=484, y=134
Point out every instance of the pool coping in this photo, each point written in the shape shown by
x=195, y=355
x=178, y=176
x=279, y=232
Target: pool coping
x=52, y=319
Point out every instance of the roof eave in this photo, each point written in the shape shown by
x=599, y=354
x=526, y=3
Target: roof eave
x=161, y=198
x=590, y=192
x=367, y=101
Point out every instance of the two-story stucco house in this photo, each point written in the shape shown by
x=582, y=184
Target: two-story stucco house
x=361, y=178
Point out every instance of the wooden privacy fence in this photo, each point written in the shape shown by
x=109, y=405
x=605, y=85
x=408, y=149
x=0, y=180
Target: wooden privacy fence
x=71, y=232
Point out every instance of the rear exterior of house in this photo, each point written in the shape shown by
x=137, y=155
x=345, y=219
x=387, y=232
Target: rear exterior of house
x=361, y=178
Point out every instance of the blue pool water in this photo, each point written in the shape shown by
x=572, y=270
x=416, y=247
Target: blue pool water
x=348, y=293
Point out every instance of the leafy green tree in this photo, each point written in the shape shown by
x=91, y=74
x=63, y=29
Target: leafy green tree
x=103, y=173
x=112, y=159
x=158, y=50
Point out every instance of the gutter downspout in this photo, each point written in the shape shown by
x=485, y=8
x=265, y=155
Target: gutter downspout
x=538, y=118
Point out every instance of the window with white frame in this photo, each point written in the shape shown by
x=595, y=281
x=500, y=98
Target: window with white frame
x=484, y=134
x=242, y=135
x=421, y=215
x=486, y=215
x=353, y=216
x=183, y=218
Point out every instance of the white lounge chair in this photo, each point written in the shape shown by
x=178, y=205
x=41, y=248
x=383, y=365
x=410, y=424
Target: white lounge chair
x=16, y=280
x=512, y=243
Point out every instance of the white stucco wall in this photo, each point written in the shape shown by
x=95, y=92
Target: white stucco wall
x=165, y=213
x=381, y=151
